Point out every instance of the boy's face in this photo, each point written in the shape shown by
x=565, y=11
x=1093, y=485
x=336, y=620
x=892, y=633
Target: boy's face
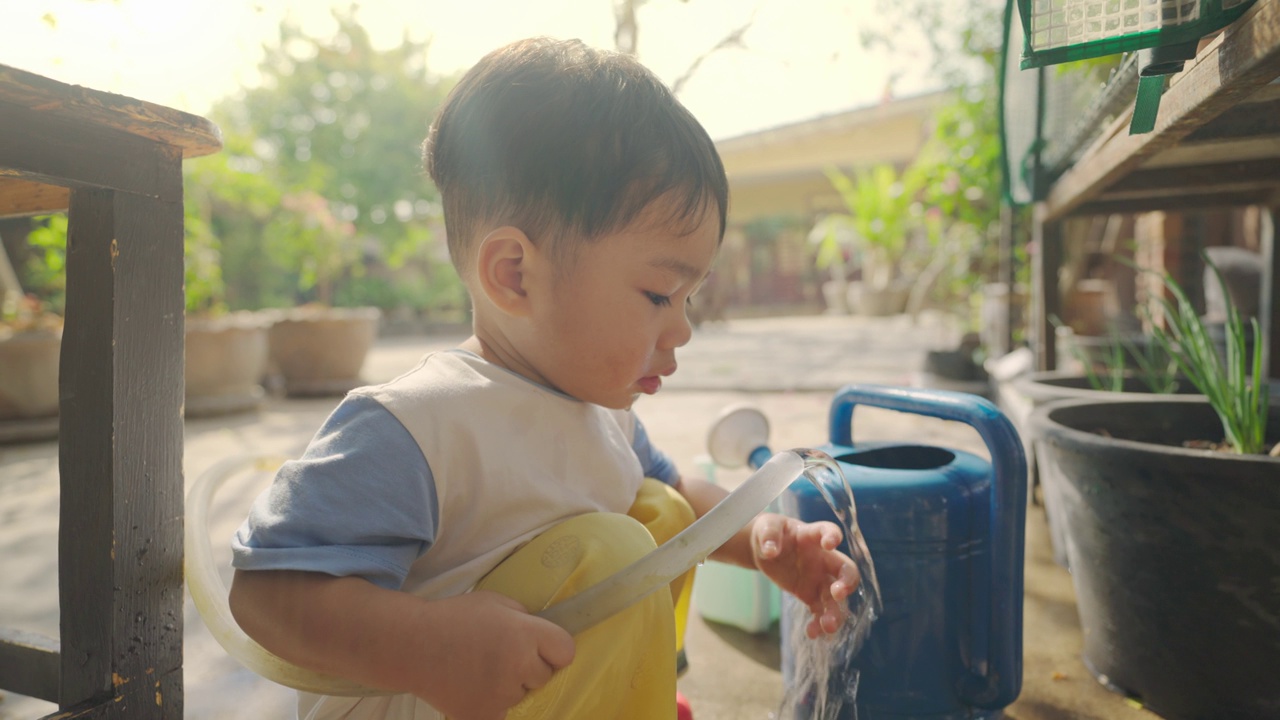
x=611, y=325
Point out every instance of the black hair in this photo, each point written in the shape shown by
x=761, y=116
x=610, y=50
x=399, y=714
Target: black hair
x=568, y=144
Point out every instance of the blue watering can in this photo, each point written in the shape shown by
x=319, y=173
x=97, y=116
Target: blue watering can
x=945, y=530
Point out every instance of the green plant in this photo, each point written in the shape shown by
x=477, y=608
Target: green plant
x=45, y=276
x=1155, y=368
x=878, y=222
x=1236, y=385
x=308, y=237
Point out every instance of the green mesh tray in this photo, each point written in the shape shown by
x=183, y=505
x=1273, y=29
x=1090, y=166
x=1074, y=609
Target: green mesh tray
x=1058, y=31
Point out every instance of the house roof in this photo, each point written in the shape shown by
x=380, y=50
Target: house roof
x=915, y=105
x=885, y=132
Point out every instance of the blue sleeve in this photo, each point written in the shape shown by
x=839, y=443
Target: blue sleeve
x=360, y=501
x=655, y=463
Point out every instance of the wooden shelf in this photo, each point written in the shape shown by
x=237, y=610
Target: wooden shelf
x=1216, y=140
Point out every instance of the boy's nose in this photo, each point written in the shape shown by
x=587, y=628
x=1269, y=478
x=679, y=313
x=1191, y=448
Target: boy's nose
x=680, y=331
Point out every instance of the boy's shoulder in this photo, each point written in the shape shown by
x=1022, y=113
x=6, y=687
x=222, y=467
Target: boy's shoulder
x=466, y=382
x=437, y=375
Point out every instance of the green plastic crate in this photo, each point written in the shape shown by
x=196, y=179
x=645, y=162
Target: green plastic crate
x=1058, y=31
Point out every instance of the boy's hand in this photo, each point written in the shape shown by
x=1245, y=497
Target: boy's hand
x=491, y=653
x=803, y=560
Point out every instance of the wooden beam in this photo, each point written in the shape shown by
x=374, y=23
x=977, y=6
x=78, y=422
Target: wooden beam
x=1047, y=236
x=195, y=135
x=25, y=197
x=1269, y=315
x=62, y=151
x=29, y=664
x=1246, y=120
x=1175, y=202
x=1216, y=151
x=1238, y=174
x=1244, y=57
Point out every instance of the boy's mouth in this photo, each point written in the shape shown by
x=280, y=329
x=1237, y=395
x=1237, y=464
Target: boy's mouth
x=651, y=384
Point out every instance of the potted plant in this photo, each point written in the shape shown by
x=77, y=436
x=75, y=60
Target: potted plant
x=318, y=349
x=1130, y=369
x=1171, y=510
x=226, y=353
x=31, y=334
x=876, y=228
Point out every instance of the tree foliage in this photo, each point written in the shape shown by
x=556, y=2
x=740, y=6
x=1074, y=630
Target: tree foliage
x=959, y=169
x=319, y=194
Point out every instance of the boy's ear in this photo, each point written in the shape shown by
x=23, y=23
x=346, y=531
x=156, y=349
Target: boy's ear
x=502, y=265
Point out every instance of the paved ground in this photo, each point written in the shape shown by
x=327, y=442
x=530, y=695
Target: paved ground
x=787, y=366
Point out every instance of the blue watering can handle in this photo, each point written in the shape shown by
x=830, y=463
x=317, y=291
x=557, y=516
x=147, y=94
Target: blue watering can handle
x=995, y=657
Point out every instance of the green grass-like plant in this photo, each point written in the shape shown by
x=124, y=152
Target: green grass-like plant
x=1155, y=368
x=1236, y=386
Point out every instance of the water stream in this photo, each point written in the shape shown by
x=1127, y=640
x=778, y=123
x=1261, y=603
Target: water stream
x=822, y=683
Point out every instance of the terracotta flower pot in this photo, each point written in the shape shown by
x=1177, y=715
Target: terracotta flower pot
x=226, y=360
x=321, y=351
x=29, y=385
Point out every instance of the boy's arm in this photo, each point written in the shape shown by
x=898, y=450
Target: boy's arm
x=703, y=496
x=471, y=656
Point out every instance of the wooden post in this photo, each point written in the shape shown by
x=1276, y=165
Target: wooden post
x=1006, y=274
x=1268, y=314
x=114, y=163
x=120, y=454
x=1047, y=236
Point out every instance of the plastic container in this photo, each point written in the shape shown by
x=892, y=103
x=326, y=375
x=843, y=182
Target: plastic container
x=736, y=596
x=732, y=595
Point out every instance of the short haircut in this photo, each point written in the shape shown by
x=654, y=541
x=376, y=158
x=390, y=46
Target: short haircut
x=568, y=144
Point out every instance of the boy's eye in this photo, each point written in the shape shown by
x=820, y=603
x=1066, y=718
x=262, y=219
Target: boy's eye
x=656, y=299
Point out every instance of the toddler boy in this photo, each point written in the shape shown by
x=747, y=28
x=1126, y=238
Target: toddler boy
x=430, y=516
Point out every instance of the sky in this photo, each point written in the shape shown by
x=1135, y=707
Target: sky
x=803, y=57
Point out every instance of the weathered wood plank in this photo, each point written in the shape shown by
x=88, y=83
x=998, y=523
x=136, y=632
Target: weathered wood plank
x=29, y=664
x=120, y=538
x=24, y=197
x=65, y=151
x=1217, y=151
x=1183, y=180
x=1047, y=235
x=86, y=451
x=1242, y=59
x=1269, y=315
x=147, y=699
x=195, y=135
x=1246, y=120
x=1189, y=201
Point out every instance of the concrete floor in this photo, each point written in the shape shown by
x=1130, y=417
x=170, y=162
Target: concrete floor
x=787, y=366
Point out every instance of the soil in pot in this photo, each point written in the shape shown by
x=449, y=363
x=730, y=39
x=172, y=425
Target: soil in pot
x=1174, y=553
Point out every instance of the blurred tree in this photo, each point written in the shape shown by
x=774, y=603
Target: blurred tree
x=959, y=167
x=626, y=37
x=341, y=118
x=331, y=139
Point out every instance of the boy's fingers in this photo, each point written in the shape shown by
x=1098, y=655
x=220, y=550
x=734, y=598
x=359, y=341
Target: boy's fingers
x=556, y=647
x=831, y=536
x=768, y=536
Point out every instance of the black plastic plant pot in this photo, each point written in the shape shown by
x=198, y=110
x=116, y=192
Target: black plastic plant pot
x=1174, y=554
x=1041, y=388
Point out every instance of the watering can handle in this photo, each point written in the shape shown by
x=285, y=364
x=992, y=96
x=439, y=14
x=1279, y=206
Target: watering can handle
x=995, y=658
